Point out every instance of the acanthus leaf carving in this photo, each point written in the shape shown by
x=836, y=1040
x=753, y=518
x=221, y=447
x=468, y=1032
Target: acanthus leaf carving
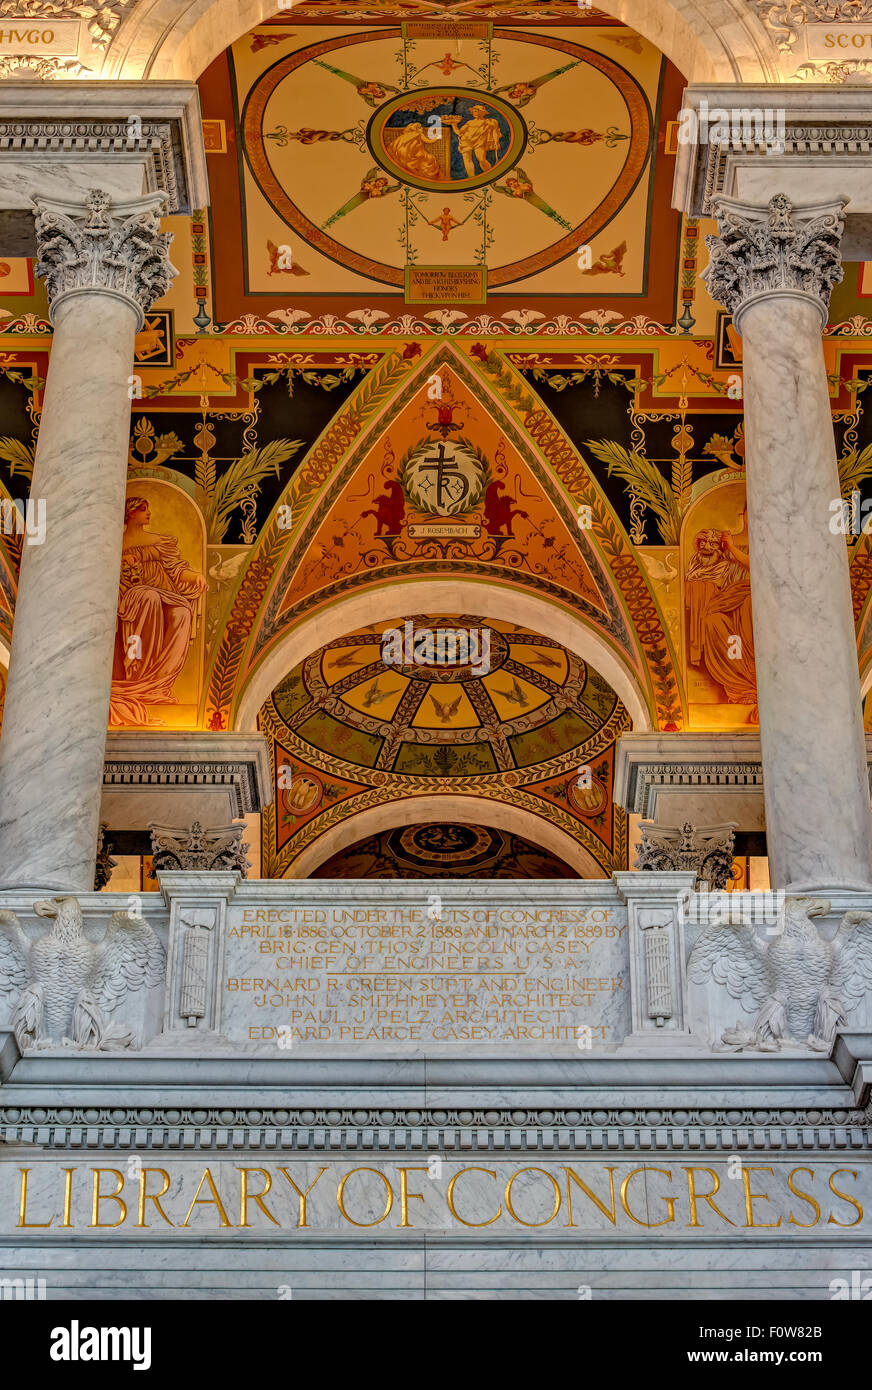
x=208, y=849
x=103, y=18
x=126, y=254
x=784, y=18
x=779, y=247
x=707, y=850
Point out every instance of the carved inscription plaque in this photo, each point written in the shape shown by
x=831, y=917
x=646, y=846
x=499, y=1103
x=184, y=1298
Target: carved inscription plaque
x=541, y=977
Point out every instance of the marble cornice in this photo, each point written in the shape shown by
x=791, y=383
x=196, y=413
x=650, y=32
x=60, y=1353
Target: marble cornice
x=611, y=1123
x=449, y=1131
x=621, y=1104
x=238, y=763
x=148, y=133
x=823, y=151
x=648, y=762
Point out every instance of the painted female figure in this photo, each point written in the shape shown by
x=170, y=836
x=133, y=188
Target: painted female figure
x=718, y=596
x=413, y=151
x=156, y=604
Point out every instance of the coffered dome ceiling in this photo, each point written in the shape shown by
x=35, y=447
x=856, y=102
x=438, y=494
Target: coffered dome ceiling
x=422, y=716
x=406, y=709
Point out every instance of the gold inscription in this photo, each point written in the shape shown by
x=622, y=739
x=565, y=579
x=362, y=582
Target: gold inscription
x=549, y=1195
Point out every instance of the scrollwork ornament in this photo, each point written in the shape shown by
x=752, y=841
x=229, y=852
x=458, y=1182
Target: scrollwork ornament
x=103, y=18
x=126, y=254
x=779, y=247
x=785, y=18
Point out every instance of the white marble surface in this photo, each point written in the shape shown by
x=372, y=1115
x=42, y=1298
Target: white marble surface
x=123, y=176
x=57, y=700
x=819, y=829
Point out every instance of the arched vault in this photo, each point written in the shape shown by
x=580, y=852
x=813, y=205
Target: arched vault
x=707, y=40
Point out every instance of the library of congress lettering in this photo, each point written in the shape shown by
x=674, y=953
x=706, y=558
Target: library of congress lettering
x=436, y=650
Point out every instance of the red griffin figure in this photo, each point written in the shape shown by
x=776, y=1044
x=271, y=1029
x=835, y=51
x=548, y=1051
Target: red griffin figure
x=499, y=512
x=389, y=509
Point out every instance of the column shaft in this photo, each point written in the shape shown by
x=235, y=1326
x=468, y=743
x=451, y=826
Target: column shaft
x=104, y=267
x=819, y=829
x=774, y=269
x=57, y=701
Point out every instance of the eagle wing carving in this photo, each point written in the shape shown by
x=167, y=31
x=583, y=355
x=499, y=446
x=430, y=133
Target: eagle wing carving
x=15, y=972
x=129, y=956
x=736, y=958
x=851, y=973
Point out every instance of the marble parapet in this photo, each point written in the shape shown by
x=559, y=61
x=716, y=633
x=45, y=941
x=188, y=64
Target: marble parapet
x=219, y=967
x=203, y=1164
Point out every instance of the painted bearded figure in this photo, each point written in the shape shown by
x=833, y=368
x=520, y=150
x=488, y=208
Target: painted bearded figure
x=156, y=605
x=718, y=593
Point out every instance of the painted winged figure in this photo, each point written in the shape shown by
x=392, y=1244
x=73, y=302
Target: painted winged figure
x=800, y=986
x=66, y=984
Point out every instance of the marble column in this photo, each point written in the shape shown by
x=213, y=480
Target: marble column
x=774, y=268
x=104, y=265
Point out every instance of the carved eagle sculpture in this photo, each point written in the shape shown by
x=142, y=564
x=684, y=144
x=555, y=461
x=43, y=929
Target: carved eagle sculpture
x=66, y=984
x=801, y=985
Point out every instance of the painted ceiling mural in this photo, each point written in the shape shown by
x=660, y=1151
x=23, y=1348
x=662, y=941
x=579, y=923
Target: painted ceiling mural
x=433, y=162
x=435, y=850
x=440, y=324
x=393, y=711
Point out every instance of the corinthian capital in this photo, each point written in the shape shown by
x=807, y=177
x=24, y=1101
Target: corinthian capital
x=115, y=249
x=776, y=249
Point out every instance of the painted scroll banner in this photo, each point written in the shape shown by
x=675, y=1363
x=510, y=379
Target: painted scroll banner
x=435, y=29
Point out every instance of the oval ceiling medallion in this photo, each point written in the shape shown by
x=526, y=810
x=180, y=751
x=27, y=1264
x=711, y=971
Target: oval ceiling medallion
x=447, y=138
